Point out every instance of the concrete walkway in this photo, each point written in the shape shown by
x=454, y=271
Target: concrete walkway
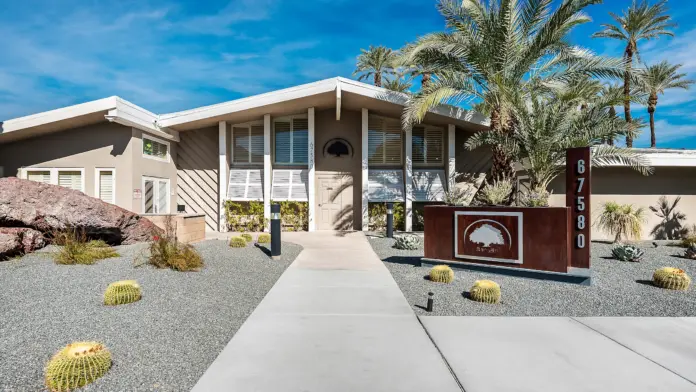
x=334, y=321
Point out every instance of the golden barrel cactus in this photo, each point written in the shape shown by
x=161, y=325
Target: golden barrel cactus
x=238, y=242
x=441, y=274
x=264, y=238
x=485, y=291
x=77, y=365
x=671, y=278
x=122, y=292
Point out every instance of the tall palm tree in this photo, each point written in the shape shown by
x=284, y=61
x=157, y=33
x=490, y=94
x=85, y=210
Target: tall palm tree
x=494, y=49
x=612, y=95
x=655, y=79
x=641, y=21
x=398, y=84
x=376, y=63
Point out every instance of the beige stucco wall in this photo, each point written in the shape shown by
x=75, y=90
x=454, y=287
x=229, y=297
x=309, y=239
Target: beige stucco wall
x=626, y=186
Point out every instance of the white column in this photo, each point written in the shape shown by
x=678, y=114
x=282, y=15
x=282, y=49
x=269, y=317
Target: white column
x=363, y=149
x=408, y=179
x=310, y=170
x=222, y=175
x=267, y=169
x=451, y=168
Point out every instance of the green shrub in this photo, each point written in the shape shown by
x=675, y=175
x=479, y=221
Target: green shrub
x=77, y=365
x=671, y=278
x=407, y=242
x=626, y=252
x=167, y=252
x=122, y=292
x=245, y=216
x=621, y=221
x=264, y=238
x=534, y=198
x=294, y=215
x=247, y=237
x=77, y=250
x=377, y=214
x=485, y=291
x=496, y=193
x=441, y=274
x=688, y=241
x=238, y=242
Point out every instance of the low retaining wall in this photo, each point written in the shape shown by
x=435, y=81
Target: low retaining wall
x=189, y=227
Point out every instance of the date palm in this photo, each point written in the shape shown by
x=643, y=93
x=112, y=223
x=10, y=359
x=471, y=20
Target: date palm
x=376, y=63
x=612, y=95
x=655, y=79
x=398, y=84
x=641, y=21
x=494, y=49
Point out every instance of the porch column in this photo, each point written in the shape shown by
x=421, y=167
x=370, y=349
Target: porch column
x=267, y=169
x=222, y=174
x=364, y=173
x=408, y=180
x=451, y=168
x=311, y=196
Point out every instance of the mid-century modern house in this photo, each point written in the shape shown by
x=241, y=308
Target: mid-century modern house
x=336, y=144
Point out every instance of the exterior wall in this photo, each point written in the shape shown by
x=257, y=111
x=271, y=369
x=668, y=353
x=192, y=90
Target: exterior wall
x=473, y=165
x=626, y=186
x=189, y=227
x=143, y=166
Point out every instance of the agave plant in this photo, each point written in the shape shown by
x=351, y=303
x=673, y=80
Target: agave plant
x=407, y=242
x=626, y=252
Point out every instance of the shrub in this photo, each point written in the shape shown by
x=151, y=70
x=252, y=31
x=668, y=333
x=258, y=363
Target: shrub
x=377, y=213
x=246, y=216
x=264, y=238
x=441, y=274
x=689, y=238
x=457, y=196
x=238, y=242
x=671, y=278
x=407, y=242
x=496, y=193
x=485, y=291
x=294, y=215
x=690, y=252
x=626, y=252
x=77, y=250
x=167, y=252
x=534, y=198
x=77, y=365
x=247, y=237
x=122, y=292
x=622, y=220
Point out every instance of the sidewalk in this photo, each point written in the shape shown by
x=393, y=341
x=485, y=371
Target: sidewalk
x=334, y=321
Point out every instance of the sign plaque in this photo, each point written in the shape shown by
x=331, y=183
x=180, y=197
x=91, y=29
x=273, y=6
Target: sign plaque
x=494, y=236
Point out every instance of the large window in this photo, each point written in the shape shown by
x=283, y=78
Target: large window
x=155, y=148
x=247, y=143
x=155, y=195
x=105, y=184
x=72, y=178
x=384, y=142
x=428, y=145
x=291, y=138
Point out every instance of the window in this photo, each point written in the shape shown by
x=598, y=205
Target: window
x=428, y=145
x=39, y=175
x=384, y=142
x=71, y=178
x=105, y=185
x=245, y=185
x=290, y=185
x=428, y=185
x=385, y=185
x=155, y=148
x=155, y=195
x=247, y=143
x=291, y=141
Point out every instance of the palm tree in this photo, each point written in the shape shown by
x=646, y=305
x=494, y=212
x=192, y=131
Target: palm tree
x=641, y=21
x=494, y=49
x=655, y=79
x=622, y=220
x=612, y=95
x=399, y=84
x=376, y=63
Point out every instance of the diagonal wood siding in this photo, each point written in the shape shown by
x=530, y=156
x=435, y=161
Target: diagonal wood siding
x=197, y=173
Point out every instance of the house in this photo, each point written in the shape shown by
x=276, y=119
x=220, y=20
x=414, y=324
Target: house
x=336, y=144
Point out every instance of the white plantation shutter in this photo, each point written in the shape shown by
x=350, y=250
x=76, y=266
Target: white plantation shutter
x=245, y=185
x=256, y=143
x=290, y=185
x=384, y=141
x=291, y=141
x=300, y=135
x=70, y=179
x=428, y=185
x=106, y=186
x=283, y=142
x=428, y=145
x=39, y=176
x=247, y=144
x=385, y=185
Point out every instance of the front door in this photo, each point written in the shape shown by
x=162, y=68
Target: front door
x=155, y=195
x=335, y=201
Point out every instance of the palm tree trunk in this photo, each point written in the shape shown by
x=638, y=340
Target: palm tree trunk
x=612, y=113
x=502, y=164
x=627, y=90
x=425, y=79
x=652, y=105
x=378, y=79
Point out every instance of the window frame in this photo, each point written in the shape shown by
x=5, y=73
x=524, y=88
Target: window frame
x=156, y=140
x=292, y=132
x=97, y=183
x=248, y=126
x=54, y=171
x=425, y=147
x=402, y=153
x=155, y=189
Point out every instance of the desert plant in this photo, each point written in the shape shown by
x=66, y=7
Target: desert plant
x=77, y=365
x=670, y=228
x=690, y=252
x=485, y=291
x=377, y=215
x=407, y=242
x=238, y=242
x=534, y=198
x=165, y=251
x=245, y=216
x=122, y=292
x=689, y=237
x=625, y=252
x=671, y=278
x=622, y=221
x=497, y=192
x=247, y=237
x=264, y=238
x=77, y=250
x=294, y=215
x=441, y=274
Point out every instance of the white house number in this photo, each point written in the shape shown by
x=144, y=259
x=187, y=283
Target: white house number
x=580, y=205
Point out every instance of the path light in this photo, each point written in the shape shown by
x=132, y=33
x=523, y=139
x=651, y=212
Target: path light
x=390, y=220
x=275, y=231
x=429, y=308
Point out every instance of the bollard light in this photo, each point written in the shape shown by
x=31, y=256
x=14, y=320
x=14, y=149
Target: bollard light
x=275, y=231
x=429, y=307
x=390, y=220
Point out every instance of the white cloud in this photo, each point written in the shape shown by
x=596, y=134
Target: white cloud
x=666, y=133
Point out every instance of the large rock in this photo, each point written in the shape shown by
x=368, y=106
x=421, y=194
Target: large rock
x=19, y=240
x=49, y=208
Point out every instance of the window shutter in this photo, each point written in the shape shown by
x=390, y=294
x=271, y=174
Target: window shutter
x=282, y=142
x=393, y=143
x=245, y=185
x=300, y=138
x=384, y=141
x=39, y=176
x=418, y=145
x=70, y=179
x=428, y=185
x=385, y=185
x=290, y=185
x=434, y=145
x=241, y=144
x=106, y=186
x=256, y=143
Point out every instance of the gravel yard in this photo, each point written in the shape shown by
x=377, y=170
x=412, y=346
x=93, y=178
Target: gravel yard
x=618, y=288
x=163, y=342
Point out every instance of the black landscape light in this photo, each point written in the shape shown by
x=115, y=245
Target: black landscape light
x=390, y=220
x=275, y=231
x=429, y=307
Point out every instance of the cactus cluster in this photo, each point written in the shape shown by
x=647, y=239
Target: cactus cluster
x=485, y=291
x=690, y=252
x=247, y=237
x=122, y=292
x=238, y=242
x=441, y=274
x=671, y=278
x=625, y=252
x=77, y=365
x=264, y=238
x=407, y=242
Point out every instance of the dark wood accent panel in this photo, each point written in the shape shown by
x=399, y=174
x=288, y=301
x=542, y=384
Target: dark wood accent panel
x=578, y=191
x=545, y=236
x=504, y=247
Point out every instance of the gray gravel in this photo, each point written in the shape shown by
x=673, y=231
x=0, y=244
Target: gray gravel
x=163, y=342
x=618, y=288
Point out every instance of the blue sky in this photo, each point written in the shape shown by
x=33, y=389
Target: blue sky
x=169, y=56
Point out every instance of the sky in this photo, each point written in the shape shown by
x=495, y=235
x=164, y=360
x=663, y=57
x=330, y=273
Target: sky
x=168, y=56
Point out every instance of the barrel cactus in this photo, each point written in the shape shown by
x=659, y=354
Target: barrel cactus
x=264, y=238
x=407, y=242
x=671, y=278
x=77, y=365
x=625, y=252
x=690, y=252
x=441, y=274
x=122, y=292
x=238, y=242
x=247, y=237
x=485, y=291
